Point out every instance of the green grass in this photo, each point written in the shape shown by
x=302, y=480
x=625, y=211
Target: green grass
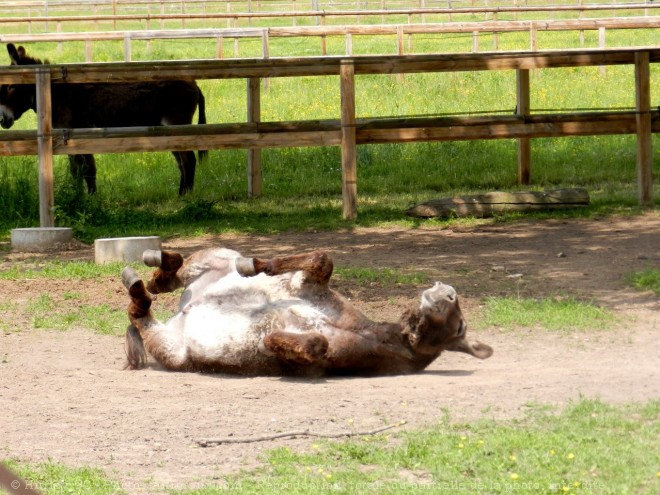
x=65, y=270
x=590, y=448
x=51, y=478
x=101, y=318
x=68, y=310
x=648, y=279
x=382, y=276
x=302, y=186
x=554, y=314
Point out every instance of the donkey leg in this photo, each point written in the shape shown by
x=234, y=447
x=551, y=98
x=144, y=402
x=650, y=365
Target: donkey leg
x=89, y=173
x=140, y=304
x=84, y=167
x=317, y=266
x=165, y=278
x=186, y=161
x=165, y=344
x=301, y=348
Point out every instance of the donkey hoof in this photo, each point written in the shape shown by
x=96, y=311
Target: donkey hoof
x=152, y=257
x=245, y=267
x=129, y=277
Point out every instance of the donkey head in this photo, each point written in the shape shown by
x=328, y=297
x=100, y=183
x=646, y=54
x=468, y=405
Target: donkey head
x=16, y=99
x=440, y=325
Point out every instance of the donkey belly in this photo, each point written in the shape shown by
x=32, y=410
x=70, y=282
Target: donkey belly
x=124, y=105
x=223, y=341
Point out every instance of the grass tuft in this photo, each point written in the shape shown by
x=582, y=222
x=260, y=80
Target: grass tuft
x=66, y=270
x=648, y=279
x=51, y=478
x=382, y=276
x=555, y=314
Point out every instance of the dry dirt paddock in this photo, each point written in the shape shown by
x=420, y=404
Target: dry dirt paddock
x=65, y=397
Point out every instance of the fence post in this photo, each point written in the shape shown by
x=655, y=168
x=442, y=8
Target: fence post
x=254, y=154
x=533, y=45
x=601, y=45
x=400, y=48
x=324, y=48
x=88, y=51
x=265, y=52
x=45, y=149
x=522, y=110
x=315, y=8
x=219, y=47
x=495, y=37
x=127, y=47
x=348, y=140
x=644, y=138
x=59, y=30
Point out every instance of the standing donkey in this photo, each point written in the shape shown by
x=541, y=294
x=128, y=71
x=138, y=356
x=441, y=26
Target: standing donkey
x=109, y=105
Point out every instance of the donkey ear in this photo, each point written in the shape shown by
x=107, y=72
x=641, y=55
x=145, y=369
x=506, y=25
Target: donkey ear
x=14, y=55
x=476, y=349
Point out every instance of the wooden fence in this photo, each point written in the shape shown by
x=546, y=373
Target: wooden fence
x=320, y=17
x=347, y=131
x=48, y=7
x=401, y=31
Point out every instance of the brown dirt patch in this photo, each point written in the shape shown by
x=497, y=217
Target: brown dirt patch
x=65, y=396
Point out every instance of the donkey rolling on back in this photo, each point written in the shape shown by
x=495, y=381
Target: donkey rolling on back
x=278, y=316
x=109, y=105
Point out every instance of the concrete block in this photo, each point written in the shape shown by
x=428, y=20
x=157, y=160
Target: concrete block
x=123, y=248
x=39, y=238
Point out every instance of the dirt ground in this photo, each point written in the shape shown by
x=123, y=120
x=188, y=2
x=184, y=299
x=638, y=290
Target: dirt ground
x=64, y=395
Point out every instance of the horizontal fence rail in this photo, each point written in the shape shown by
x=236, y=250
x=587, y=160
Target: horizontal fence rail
x=323, y=133
x=346, y=131
x=320, y=16
x=322, y=66
x=249, y=5
x=399, y=30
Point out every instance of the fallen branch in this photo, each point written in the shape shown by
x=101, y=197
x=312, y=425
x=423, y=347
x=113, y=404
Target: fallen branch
x=293, y=434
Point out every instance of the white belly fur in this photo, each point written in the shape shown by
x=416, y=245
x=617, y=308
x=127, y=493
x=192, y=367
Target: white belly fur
x=227, y=321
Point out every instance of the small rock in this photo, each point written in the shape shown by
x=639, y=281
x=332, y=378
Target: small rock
x=561, y=255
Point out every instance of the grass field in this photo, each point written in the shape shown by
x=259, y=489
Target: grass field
x=577, y=451
x=302, y=186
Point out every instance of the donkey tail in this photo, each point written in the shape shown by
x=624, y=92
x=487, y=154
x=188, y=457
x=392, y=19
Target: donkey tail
x=136, y=356
x=201, y=119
